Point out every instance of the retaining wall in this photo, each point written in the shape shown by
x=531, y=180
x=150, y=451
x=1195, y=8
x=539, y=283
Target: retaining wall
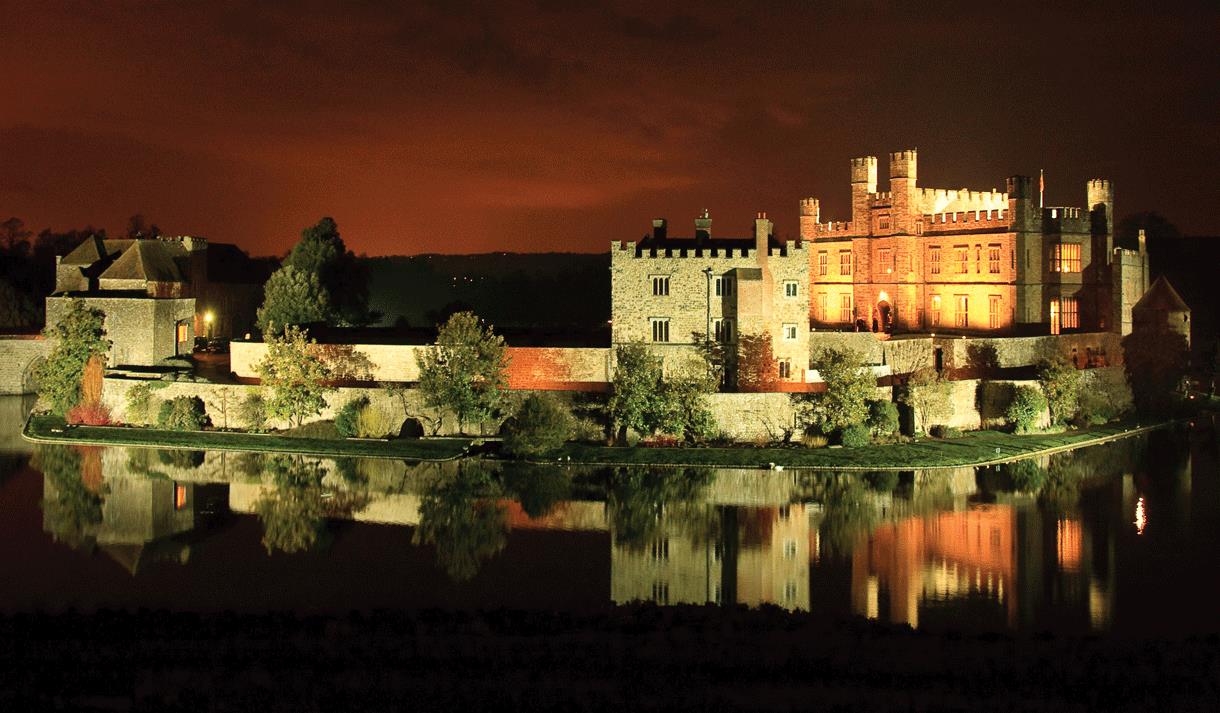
x=18, y=356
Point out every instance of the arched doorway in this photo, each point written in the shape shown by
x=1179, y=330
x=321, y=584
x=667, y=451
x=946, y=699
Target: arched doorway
x=883, y=317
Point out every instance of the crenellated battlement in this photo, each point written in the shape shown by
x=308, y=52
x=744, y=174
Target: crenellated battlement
x=881, y=198
x=835, y=227
x=965, y=219
x=943, y=200
x=629, y=250
x=1066, y=220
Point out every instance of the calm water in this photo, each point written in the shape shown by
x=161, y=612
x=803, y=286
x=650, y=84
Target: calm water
x=1121, y=537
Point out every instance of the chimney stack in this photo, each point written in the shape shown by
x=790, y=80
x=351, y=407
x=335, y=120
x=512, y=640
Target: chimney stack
x=659, y=229
x=762, y=234
x=703, y=226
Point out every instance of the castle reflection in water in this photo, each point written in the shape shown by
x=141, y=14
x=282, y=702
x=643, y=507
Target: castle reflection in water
x=914, y=547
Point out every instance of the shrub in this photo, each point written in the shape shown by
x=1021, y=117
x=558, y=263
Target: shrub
x=373, y=422
x=540, y=426
x=94, y=414
x=348, y=416
x=855, y=436
x=253, y=411
x=814, y=440
x=942, y=431
x=1060, y=381
x=882, y=417
x=1026, y=407
x=183, y=413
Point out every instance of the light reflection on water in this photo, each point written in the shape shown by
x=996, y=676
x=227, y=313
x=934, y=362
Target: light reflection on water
x=1041, y=544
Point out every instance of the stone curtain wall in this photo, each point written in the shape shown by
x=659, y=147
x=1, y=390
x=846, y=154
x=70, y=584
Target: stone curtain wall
x=18, y=356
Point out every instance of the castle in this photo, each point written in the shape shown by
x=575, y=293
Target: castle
x=910, y=260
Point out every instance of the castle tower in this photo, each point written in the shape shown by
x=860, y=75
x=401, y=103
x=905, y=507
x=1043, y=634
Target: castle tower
x=1100, y=204
x=903, y=170
x=863, y=184
x=811, y=214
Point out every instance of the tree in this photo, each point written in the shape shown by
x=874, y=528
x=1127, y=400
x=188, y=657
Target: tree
x=757, y=369
x=321, y=252
x=293, y=297
x=1026, y=406
x=635, y=388
x=77, y=337
x=71, y=510
x=1155, y=226
x=540, y=426
x=464, y=373
x=682, y=407
x=849, y=386
x=1060, y=381
x=927, y=393
x=1155, y=360
x=293, y=376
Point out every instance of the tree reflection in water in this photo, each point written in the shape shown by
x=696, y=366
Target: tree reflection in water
x=643, y=502
x=539, y=488
x=71, y=510
x=460, y=516
x=294, y=511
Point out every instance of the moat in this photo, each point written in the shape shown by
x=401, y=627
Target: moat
x=1121, y=537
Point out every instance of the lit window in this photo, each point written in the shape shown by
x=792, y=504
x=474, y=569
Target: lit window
x=993, y=259
x=1065, y=257
x=660, y=329
x=785, y=369
x=844, y=262
x=724, y=286
x=821, y=314
x=845, y=311
x=963, y=258
x=789, y=332
x=789, y=288
x=935, y=310
x=962, y=316
x=934, y=260
x=822, y=259
x=885, y=260
x=182, y=333
x=1069, y=314
x=993, y=311
x=660, y=286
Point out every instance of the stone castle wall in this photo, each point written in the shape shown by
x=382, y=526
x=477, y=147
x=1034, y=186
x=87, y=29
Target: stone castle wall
x=18, y=357
x=142, y=331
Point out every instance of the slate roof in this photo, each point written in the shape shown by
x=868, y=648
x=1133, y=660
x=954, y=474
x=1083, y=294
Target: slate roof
x=94, y=249
x=148, y=260
x=1161, y=296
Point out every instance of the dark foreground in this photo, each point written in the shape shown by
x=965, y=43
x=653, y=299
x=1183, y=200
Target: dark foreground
x=624, y=659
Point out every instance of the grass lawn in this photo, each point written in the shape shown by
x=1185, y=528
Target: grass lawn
x=39, y=428
x=973, y=448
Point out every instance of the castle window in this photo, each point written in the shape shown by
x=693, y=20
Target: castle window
x=993, y=259
x=660, y=592
x=183, y=336
x=883, y=223
x=724, y=286
x=660, y=286
x=844, y=262
x=785, y=369
x=1069, y=314
x=993, y=311
x=935, y=311
x=822, y=259
x=963, y=258
x=789, y=332
x=821, y=313
x=790, y=592
x=934, y=260
x=722, y=330
x=845, y=312
x=660, y=329
x=789, y=288
x=1065, y=257
x=978, y=258
x=885, y=260
x=961, y=316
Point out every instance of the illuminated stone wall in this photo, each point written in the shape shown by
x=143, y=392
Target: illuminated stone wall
x=142, y=330
x=18, y=357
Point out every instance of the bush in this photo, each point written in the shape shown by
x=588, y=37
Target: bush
x=1061, y=384
x=540, y=426
x=882, y=417
x=814, y=440
x=183, y=413
x=253, y=411
x=856, y=436
x=1026, y=408
x=346, y=421
x=942, y=431
x=373, y=422
x=94, y=414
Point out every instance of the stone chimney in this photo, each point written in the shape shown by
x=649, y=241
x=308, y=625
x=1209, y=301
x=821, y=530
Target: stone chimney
x=660, y=229
x=703, y=226
x=1143, y=242
x=762, y=234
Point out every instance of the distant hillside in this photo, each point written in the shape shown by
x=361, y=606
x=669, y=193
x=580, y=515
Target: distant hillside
x=510, y=290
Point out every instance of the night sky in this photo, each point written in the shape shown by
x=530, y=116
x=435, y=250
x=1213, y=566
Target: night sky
x=554, y=125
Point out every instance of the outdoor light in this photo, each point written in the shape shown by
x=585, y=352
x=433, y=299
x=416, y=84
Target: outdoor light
x=208, y=317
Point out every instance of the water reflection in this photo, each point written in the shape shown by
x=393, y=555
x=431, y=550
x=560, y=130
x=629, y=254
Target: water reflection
x=1034, y=544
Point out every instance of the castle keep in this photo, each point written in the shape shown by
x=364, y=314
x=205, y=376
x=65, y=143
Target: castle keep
x=934, y=259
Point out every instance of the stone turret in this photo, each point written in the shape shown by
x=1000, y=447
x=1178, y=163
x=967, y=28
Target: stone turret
x=903, y=174
x=811, y=214
x=863, y=183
